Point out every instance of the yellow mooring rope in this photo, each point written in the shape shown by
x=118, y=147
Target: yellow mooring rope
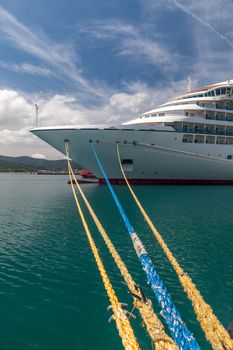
x=125, y=330
x=214, y=331
x=155, y=329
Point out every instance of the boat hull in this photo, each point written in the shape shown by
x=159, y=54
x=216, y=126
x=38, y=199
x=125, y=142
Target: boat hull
x=155, y=156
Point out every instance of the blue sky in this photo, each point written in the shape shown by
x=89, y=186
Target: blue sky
x=96, y=61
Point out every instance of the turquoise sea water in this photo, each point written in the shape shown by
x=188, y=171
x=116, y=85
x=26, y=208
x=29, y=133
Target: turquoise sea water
x=51, y=294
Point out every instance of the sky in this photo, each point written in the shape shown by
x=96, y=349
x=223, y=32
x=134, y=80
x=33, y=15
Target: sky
x=105, y=61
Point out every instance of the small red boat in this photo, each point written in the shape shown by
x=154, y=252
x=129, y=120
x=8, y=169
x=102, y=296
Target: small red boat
x=86, y=177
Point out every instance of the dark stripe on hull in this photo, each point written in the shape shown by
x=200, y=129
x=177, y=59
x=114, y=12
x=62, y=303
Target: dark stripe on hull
x=168, y=182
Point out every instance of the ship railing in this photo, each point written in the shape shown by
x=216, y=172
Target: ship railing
x=210, y=131
x=219, y=117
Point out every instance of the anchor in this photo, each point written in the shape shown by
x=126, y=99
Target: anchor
x=127, y=313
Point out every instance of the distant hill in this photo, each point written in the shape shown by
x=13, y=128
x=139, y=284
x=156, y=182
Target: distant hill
x=31, y=164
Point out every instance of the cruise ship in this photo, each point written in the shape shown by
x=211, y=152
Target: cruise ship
x=188, y=140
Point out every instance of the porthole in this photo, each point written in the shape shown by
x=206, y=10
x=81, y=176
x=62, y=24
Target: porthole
x=126, y=161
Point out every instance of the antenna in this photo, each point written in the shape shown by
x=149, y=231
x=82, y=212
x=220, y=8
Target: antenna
x=189, y=87
x=37, y=116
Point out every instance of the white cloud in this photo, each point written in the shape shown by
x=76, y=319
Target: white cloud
x=202, y=21
x=133, y=43
x=147, y=51
x=208, y=25
x=17, y=112
x=107, y=29
x=212, y=38
x=21, y=136
x=38, y=156
x=123, y=101
x=60, y=57
x=26, y=68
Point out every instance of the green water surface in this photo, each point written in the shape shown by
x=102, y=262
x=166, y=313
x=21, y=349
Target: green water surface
x=51, y=294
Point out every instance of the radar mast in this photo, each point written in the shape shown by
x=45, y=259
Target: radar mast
x=189, y=87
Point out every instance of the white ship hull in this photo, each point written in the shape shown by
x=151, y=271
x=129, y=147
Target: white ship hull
x=152, y=156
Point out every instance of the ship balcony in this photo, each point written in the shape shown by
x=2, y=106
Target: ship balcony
x=224, y=106
x=230, y=108
x=220, y=117
x=229, y=141
x=189, y=130
x=187, y=138
x=199, y=131
x=210, y=130
x=179, y=129
x=220, y=131
x=221, y=140
x=210, y=117
x=210, y=139
x=199, y=139
x=203, y=129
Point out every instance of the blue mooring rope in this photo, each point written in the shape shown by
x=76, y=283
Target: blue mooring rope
x=180, y=333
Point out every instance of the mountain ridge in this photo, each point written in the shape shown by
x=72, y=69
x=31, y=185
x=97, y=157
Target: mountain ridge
x=26, y=163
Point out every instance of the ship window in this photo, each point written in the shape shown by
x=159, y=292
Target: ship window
x=210, y=139
x=229, y=156
x=126, y=161
x=127, y=165
x=187, y=138
x=199, y=139
x=169, y=124
x=223, y=91
x=161, y=114
x=229, y=118
x=217, y=91
x=229, y=141
x=221, y=140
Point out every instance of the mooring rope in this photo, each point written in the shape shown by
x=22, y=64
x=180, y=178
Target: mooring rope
x=180, y=333
x=125, y=330
x=213, y=329
x=155, y=329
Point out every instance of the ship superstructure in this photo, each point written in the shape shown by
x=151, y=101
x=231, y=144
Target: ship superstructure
x=186, y=140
